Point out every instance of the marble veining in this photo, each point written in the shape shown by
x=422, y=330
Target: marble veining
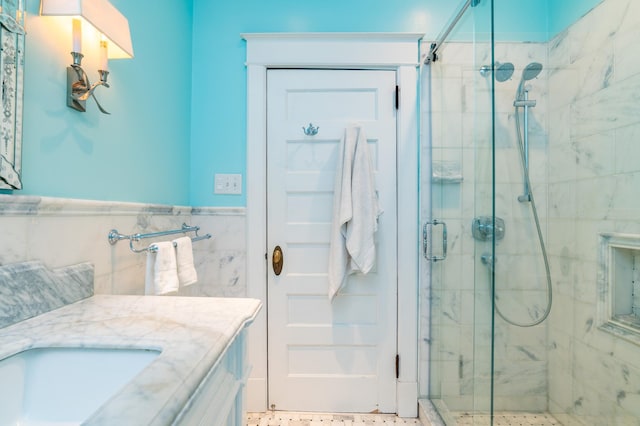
x=192, y=334
x=29, y=289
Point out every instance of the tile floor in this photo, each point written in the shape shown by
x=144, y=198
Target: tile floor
x=507, y=419
x=282, y=418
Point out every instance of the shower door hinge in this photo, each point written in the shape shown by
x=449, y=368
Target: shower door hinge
x=397, y=97
x=397, y=366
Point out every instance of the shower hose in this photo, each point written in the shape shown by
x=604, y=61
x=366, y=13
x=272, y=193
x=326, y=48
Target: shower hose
x=534, y=210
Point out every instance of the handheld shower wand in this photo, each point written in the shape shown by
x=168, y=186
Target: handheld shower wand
x=530, y=72
x=522, y=100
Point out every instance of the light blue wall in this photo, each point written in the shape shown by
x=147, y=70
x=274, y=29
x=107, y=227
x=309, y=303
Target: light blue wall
x=530, y=20
x=537, y=21
x=219, y=75
x=164, y=141
x=218, y=143
x=140, y=152
x=566, y=12
x=520, y=20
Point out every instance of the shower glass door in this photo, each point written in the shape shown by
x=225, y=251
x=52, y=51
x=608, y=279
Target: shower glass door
x=457, y=143
x=520, y=268
x=530, y=156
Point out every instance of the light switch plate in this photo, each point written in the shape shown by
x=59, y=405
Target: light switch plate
x=227, y=184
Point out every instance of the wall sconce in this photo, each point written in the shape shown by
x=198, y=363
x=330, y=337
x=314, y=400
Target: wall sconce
x=115, y=42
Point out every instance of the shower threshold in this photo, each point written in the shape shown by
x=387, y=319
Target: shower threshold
x=435, y=413
x=287, y=418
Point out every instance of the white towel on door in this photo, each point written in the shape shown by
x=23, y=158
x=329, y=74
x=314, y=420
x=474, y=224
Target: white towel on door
x=187, y=274
x=355, y=211
x=162, y=274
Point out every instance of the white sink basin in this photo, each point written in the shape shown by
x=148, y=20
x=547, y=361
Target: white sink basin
x=64, y=386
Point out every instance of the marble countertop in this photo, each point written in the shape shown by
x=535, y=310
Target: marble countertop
x=191, y=332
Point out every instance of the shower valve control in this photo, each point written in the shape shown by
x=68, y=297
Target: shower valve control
x=483, y=228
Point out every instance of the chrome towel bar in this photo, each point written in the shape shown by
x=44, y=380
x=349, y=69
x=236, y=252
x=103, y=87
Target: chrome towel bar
x=114, y=236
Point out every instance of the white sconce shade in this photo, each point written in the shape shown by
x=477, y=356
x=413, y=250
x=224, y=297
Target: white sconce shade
x=102, y=15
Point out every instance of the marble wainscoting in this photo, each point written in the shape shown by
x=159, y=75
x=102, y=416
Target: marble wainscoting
x=59, y=232
x=221, y=264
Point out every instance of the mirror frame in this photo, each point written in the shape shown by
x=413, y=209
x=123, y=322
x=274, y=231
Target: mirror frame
x=12, y=42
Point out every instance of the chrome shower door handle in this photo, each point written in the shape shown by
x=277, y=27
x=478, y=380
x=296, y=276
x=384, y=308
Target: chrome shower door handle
x=427, y=247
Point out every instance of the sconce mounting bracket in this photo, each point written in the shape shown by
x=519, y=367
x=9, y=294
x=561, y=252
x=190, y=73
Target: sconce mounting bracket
x=73, y=101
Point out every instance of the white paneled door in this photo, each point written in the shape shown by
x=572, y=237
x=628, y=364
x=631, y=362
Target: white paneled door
x=328, y=356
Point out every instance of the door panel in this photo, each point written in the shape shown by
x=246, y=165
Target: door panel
x=328, y=356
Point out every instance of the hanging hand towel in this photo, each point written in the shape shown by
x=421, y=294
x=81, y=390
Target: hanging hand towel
x=355, y=212
x=187, y=274
x=162, y=274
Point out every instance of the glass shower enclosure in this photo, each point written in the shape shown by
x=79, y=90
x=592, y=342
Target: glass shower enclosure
x=529, y=296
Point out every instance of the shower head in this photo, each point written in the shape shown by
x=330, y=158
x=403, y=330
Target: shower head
x=531, y=71
x=503, y=72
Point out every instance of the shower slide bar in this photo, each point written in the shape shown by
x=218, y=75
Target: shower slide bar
x=432, y=56
x=114, y=236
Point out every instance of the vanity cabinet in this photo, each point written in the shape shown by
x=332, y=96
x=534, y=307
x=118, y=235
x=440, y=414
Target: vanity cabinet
x=219, y=399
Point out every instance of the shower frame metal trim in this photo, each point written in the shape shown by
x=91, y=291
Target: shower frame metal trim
x=432, y=56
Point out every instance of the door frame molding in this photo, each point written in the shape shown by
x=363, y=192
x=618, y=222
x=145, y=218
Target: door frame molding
x=394, y=51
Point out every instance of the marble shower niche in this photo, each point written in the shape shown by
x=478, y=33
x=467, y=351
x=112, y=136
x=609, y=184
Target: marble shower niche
x=619, y=305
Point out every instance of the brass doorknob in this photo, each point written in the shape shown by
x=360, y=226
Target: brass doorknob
x=277, y=260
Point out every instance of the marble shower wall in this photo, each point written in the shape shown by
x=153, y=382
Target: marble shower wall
x=594, y=184
x=61, y=232
x=456, y=309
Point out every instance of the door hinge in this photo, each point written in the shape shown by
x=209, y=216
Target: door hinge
x=397, y=97
x=397, y=366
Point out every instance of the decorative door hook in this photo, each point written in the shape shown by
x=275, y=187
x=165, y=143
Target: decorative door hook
x=311, y=131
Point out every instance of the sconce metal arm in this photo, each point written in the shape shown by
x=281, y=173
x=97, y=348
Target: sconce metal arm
x=79, y=86
x=80, y=90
